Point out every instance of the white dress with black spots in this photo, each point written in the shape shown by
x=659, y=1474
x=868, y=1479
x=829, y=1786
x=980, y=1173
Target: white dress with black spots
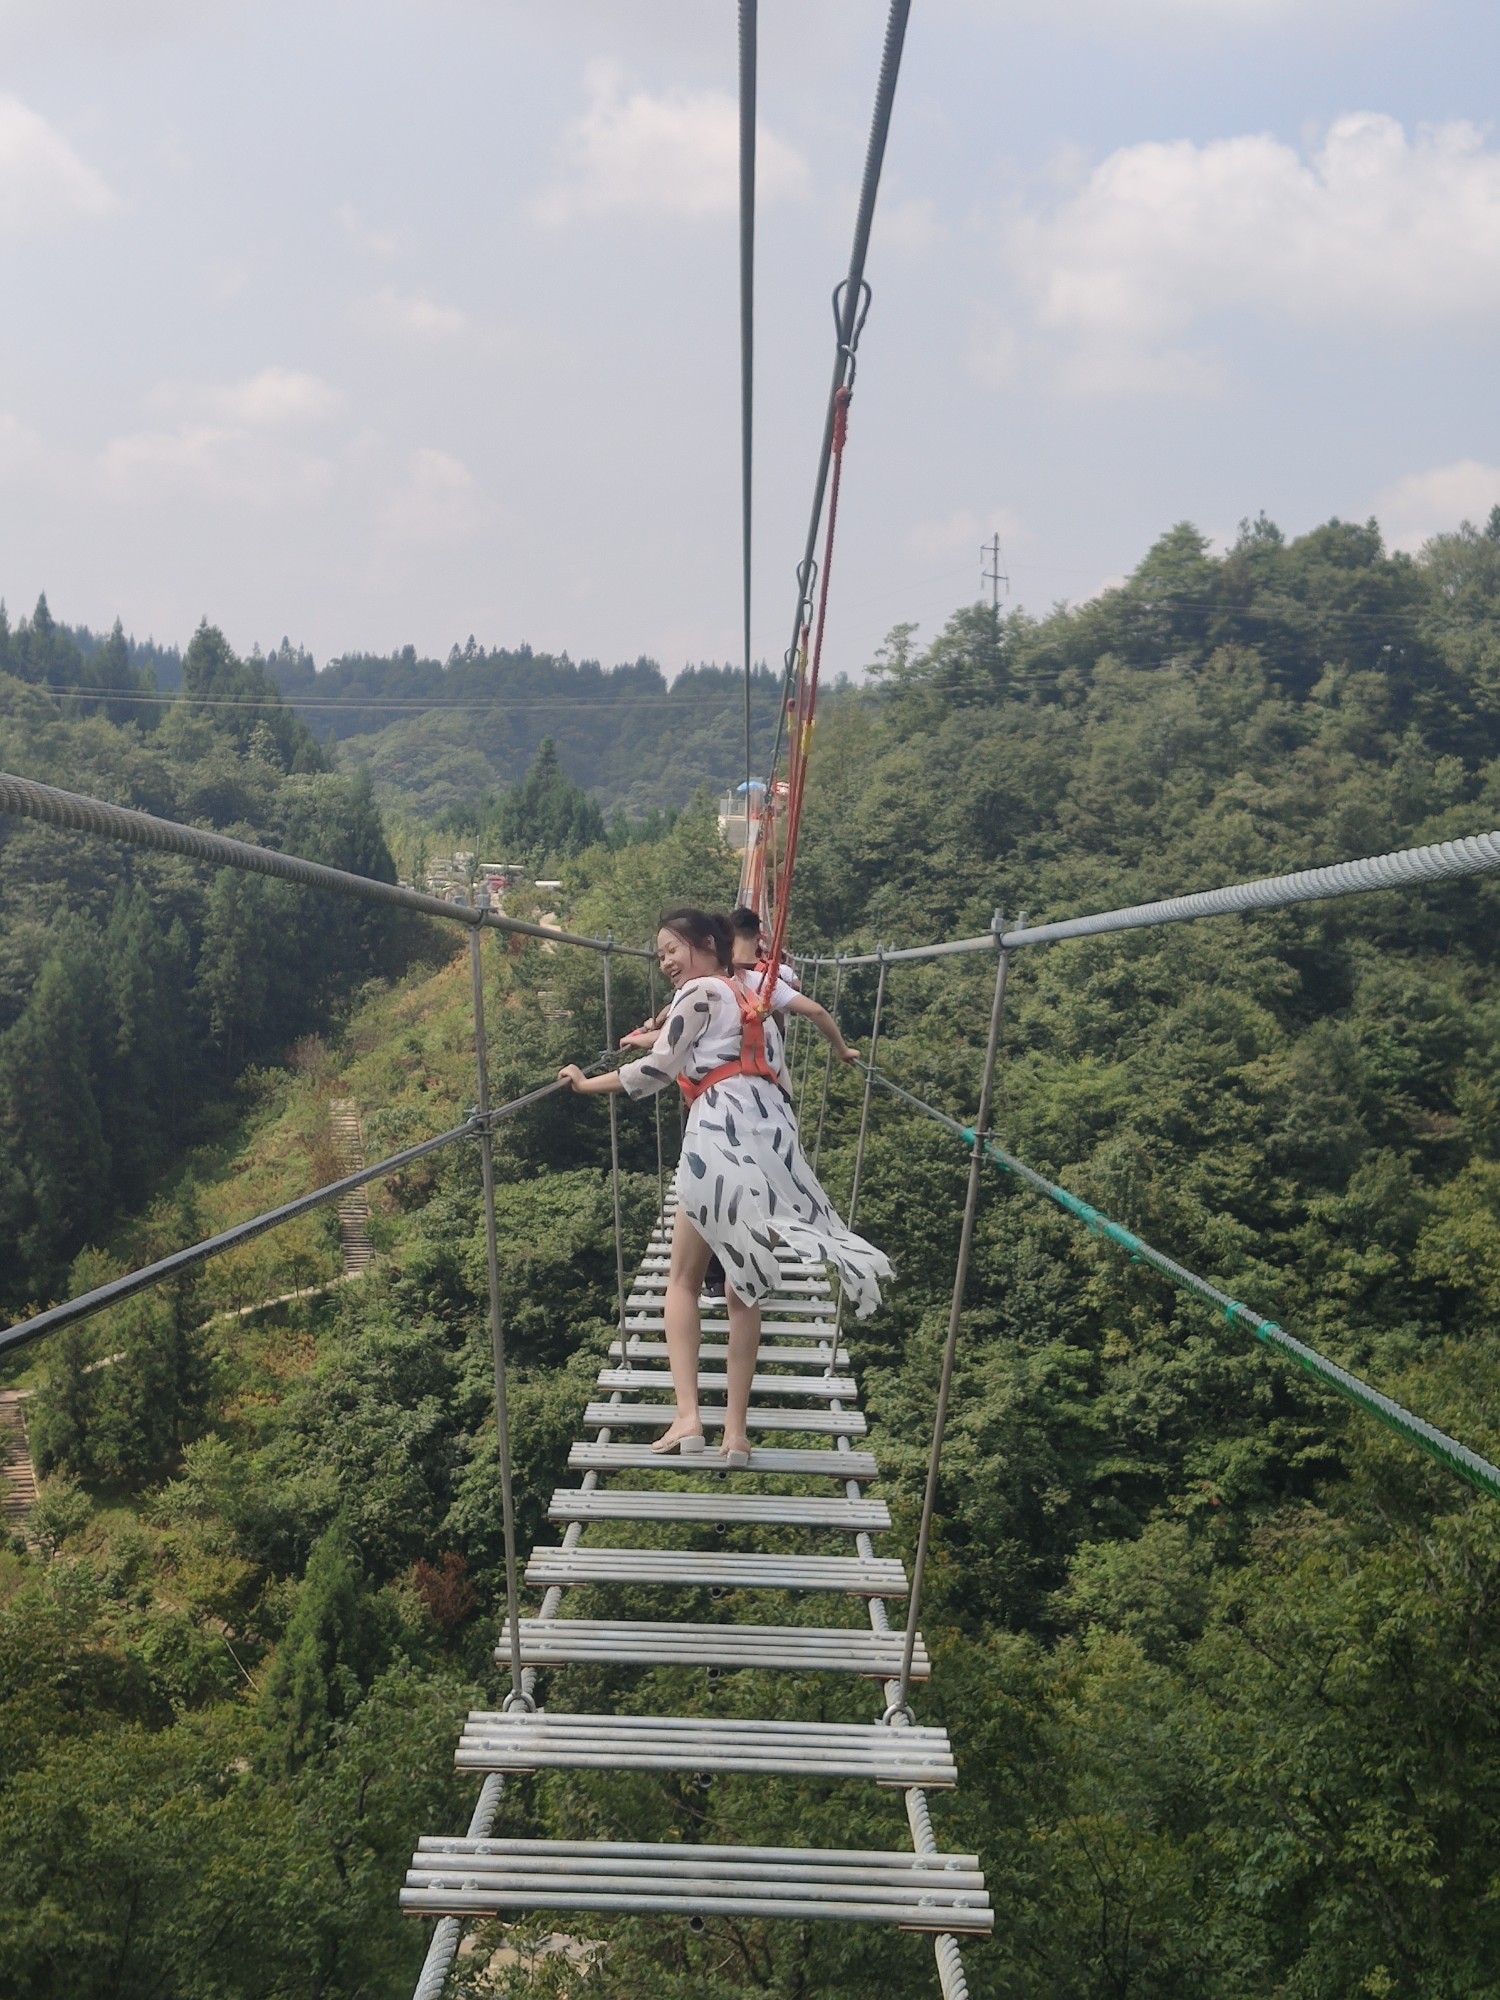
x=743, y=1180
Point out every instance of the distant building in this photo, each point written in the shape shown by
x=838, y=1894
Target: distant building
x=733, y=820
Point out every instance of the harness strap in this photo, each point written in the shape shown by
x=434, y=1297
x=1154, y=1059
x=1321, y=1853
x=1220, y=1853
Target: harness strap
x=751, y=1060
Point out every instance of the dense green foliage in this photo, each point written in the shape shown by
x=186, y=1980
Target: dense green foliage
x=1218, y=1658
x=441, y=735
x=134, y=986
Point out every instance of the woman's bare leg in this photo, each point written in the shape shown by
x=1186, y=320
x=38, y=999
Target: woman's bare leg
x=690, y=1255
x=744, y=1346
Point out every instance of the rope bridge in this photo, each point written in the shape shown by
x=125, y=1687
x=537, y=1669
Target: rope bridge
x=807, y=1426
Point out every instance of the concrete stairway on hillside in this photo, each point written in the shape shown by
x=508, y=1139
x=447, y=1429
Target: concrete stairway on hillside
x=17, y=1473
x=353, y=1208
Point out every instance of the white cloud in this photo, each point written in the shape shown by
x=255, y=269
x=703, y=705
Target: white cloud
x=374, y=242
x=912, y=225
x=412, y=314
x=272, y=399
x=1376, y=230
x=239, y=440
x=213, y=462
x=960, y=534
x=1423, y=504
x=1133, y=17
x=21, y=449
x=226, y=278
x=437, y=502
x=43, y=183
x=677, y=154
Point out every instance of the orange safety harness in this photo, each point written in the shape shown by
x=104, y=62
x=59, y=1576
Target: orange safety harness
x=752, y=1059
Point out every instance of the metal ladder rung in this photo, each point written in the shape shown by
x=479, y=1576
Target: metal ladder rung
x=869, y=1750
x=592, y=1456
x=798, y=1329
x=856, y=1576
x=787, y=1510
x=831, y=1423
x=943, y=1892
x=822, y=1388
x=785, y=1357
x=796, y=1288
x=551, y=1642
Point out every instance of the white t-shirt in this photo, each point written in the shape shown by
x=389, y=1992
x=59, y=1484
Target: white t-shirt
x=786, y=989
x=701, y=1033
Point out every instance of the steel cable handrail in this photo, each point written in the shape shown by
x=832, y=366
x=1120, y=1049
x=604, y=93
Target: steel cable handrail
x=77, y=813
x=1442, y=860
x=1427, y=1438
x=87, y=1304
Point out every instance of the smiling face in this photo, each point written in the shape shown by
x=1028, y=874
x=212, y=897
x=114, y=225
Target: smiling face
x=680, y=960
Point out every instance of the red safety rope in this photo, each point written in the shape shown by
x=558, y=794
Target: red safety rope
x=803, y=710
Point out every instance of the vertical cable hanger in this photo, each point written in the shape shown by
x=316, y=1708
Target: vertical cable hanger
x=748, y=64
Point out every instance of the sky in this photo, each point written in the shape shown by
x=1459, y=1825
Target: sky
x=392, y=322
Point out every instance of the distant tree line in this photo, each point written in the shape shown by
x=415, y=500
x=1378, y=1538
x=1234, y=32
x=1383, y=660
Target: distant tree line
x=134, y=987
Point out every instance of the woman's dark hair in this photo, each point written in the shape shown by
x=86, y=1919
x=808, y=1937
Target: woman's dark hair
x=707, y=930
x=745, y=922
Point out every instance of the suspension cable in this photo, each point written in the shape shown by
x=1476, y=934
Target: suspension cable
x=79, y=814
x=838, y=987
x=851, y=303
x=518, y=1695
x=748, y=65
x=854, y=302
x=859, y=1144
x=614, y=1168
x=950, y=1345
x=118, y=1290
x=1425, y=1437
x=661, y=1175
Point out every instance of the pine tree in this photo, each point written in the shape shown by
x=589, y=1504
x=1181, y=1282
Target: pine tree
x=335, y=1644
x=54, y=1162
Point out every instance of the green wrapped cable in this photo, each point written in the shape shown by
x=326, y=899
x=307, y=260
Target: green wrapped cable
x=1437, y=1445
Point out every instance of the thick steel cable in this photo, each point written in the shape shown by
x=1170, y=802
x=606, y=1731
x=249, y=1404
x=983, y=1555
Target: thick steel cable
x=1445, y=858
x=119, y=1289
x=1404, y=867
x=614, y=1169
x=25, y=1331
x=661, y=1175
x=77, y=813
x=1426, y=1438
x=748, y=67
x=518, y=1695
x=880, y=125
x=859, y=1144
x=443, y=1946
x=838, y=987
x=950, y=1345
x=804, y=1049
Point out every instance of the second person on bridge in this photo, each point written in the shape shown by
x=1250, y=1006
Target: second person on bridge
x=744, y=1187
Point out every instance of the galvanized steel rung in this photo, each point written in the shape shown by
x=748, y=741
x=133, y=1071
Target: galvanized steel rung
x=857, y=1576
x=871, y=1751
x=817, y=1329
x=942, y=1892
x=822, y=1388
x=790, y=1510
x=831, y=1423
x=806, y=1356
x=815, y=1463
x=777, y=1648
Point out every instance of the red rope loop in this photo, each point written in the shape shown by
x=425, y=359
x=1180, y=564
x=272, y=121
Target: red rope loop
x=805, y=701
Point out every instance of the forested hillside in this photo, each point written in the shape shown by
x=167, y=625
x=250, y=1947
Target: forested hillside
x=134, y=988
x=1218, y=1659
x=440, y=735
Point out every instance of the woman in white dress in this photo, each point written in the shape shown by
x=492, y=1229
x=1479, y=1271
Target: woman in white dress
x=743, y=1184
